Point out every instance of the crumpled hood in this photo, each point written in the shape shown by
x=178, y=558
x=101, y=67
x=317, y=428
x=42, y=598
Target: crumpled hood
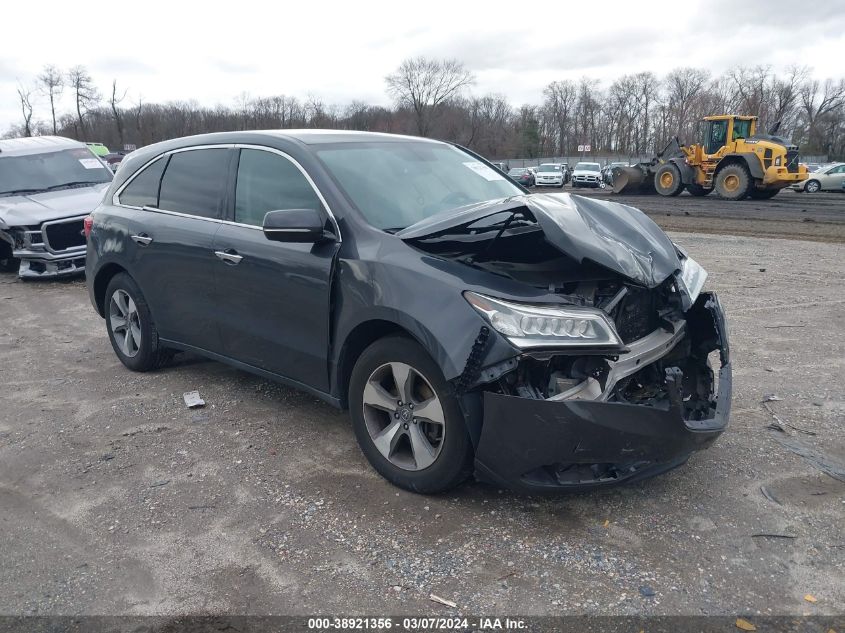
x=51, y=205
x=586, y=172
x=620, y=238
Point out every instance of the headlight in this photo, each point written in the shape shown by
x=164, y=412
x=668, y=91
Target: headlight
x=693, y=277
x=777, y=161
x=539, y=326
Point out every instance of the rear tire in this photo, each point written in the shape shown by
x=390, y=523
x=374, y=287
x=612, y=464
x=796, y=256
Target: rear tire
x=733, y=182
x=697, y=190
x=667, y=180
x=763, y=194
x=428, y=456
x=131, y=328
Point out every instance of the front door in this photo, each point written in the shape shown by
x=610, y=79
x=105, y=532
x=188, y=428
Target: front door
x=274, y=296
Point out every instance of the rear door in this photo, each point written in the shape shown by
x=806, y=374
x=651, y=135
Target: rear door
x=274, y=296
x=173, y=242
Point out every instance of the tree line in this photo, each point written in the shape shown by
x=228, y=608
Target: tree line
x=635, y=115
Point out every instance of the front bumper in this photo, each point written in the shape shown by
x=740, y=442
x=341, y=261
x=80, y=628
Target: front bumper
x=44, y=265
x=536, y=445
x=55, y=248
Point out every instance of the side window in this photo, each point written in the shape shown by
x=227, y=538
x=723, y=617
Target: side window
x=269, y=182
x=143, y=190
x=194, y=182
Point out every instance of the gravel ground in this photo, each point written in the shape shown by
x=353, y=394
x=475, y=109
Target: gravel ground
x=116, y=499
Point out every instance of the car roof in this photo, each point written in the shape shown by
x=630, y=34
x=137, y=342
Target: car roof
x=37, y=145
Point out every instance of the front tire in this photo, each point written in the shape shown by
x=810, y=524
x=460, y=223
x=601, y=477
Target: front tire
x=733, y=182
x=8, y=263
x=131, y=328
x=407, y=419
x=667, y=180
x=813, y=186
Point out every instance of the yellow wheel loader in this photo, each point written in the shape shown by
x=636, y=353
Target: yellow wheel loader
x=733, y=159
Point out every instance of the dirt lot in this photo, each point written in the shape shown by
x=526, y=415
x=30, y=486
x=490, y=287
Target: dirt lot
x=788, y=215
x=114, y=498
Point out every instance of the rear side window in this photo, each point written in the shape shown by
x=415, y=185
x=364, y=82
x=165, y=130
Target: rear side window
x=269, y=182
x=194, y=182
x=143, y=190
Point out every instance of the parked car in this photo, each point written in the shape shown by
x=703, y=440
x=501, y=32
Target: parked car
x=48, y=185
x=502, y=166
x=827, y=178
x=408, y=281
x=550, y=175
x=587, y=175
x=113, y=159
x=523, y=175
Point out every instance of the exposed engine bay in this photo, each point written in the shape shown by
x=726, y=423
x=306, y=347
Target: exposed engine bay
x=667, y=339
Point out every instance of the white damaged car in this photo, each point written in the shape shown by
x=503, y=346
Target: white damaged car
x=48, y=184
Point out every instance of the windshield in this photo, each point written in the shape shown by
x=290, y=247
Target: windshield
x=395, y=185
x=549, y=168
x=517, y=172
x=588, y=167
x=34, y=173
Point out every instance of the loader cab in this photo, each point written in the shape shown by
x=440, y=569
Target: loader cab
x=724, y=129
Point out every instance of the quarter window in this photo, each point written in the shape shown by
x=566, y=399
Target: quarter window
x=143, y=190
x=269, y=182
x=194, y=182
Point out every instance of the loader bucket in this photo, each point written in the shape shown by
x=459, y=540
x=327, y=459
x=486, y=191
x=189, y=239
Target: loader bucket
x=635, y=179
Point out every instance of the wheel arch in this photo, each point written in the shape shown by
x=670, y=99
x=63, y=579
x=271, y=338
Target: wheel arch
x=101, y=282
x=355, y=342
x=687, y=171
x=748, y=159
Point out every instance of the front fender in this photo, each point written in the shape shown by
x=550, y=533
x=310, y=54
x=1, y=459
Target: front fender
x=428, y=307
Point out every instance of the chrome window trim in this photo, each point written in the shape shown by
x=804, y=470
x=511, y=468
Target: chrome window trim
x=116, y=197
x=301, y=169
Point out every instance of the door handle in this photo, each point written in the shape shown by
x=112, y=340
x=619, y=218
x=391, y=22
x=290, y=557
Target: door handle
x=229, y=257
x=142, y=239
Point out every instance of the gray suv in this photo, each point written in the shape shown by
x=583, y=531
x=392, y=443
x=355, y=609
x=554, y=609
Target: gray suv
x=543, y=342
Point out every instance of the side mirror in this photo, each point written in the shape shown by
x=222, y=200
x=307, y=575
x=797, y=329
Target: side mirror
x=294, y=225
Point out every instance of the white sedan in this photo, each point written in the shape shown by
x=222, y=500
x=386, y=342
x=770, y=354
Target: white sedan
x=827, y=178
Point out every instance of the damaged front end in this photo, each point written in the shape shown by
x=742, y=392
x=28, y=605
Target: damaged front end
x=53, y=248
x=621, y=369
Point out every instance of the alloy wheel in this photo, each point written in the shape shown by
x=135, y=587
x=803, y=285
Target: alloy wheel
x=404, y=416
x=125, y=323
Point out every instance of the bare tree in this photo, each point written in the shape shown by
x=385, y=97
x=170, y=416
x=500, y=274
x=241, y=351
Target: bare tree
x=425, y=84
x=114, y=102
x=559, y=105
x=52, y=85
x=86, y=94
x=822, y=107
x=25, y=95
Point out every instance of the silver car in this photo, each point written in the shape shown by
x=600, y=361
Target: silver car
x=48, y=184
x=827, y=178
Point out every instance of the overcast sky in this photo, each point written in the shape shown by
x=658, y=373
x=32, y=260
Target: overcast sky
x=342, y=50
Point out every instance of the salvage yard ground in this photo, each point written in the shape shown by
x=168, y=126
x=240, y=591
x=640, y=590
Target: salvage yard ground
x=115, y=498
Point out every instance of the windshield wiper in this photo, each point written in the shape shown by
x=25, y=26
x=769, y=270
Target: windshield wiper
x=20, y=192
x=78, y=183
